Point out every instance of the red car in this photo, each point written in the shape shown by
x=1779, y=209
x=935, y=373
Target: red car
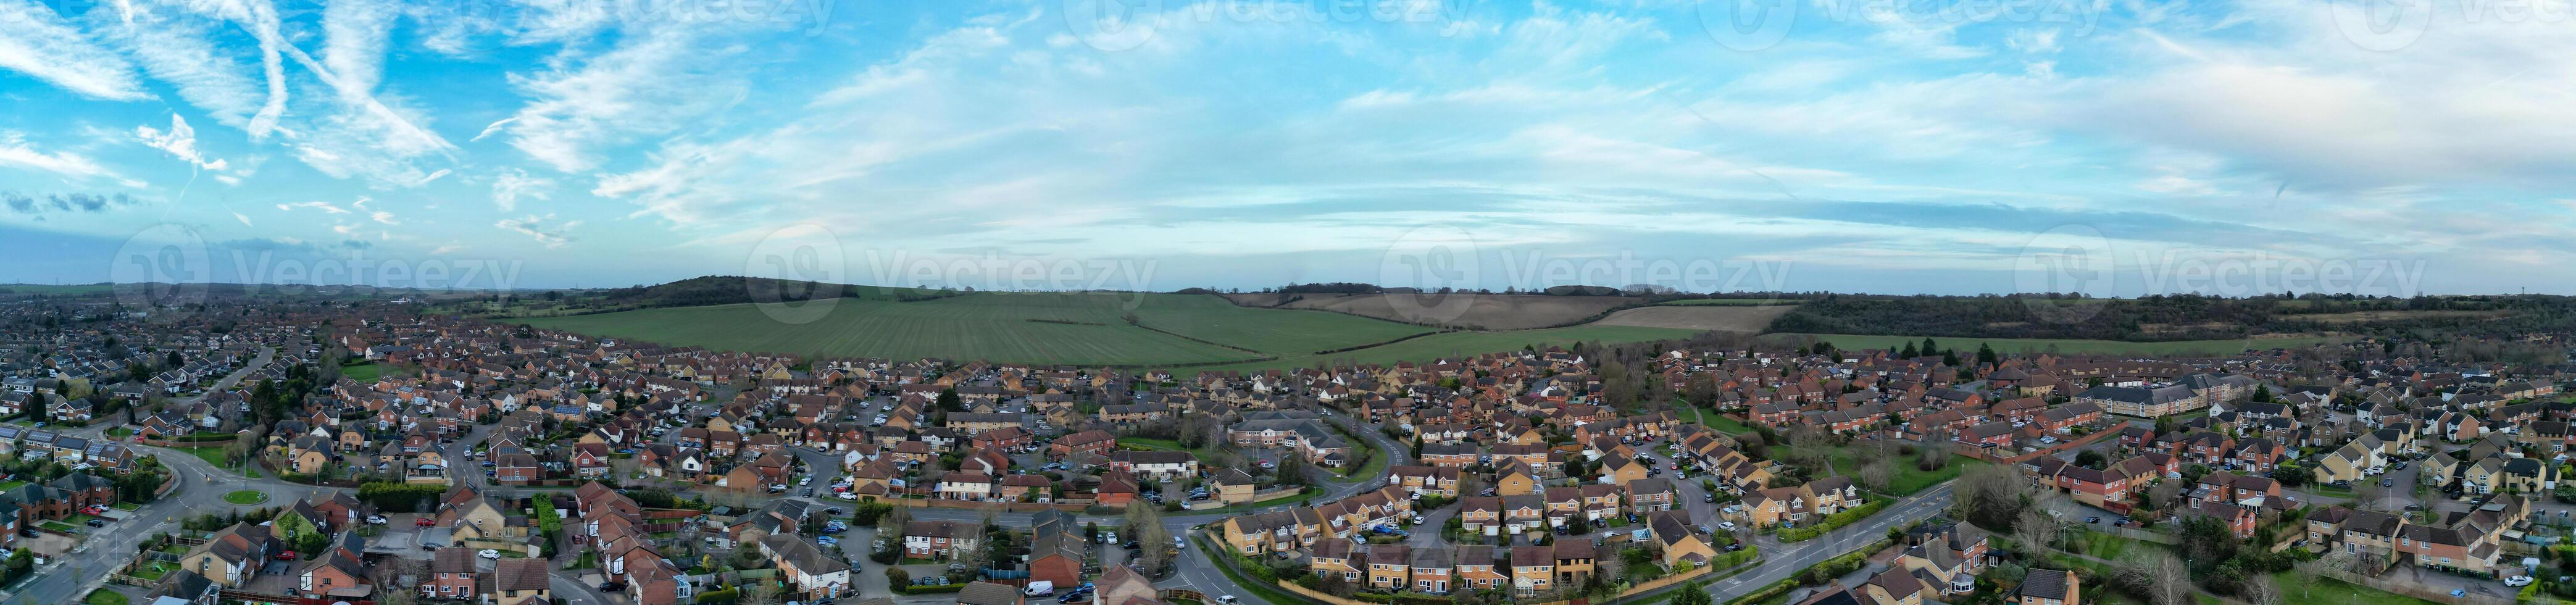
x=425, y=522
x=286, y=556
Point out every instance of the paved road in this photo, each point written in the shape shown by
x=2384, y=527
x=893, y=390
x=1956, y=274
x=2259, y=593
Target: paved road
x=201, y=490
x=1784, y=560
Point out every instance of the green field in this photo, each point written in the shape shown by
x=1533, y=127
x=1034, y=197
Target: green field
x=1907, y=480
x=1462, y=344
x=1726, y=302
x=1075, y=328
x=365, y=372
x=1072, y=328
x=1854, y=342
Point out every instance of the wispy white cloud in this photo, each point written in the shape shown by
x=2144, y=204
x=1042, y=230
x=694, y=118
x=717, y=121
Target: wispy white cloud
x=325, y=207
x=180, y=141
x=515, y=185
x=37, y=42
x=15, y=151
x=653, y=81
x=537, y=227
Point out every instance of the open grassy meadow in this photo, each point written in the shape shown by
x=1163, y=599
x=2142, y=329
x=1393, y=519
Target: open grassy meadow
x=1853, y=342
x=1480, y=311
x=1725, y=302
x=1069, y=328
x=1462, y=344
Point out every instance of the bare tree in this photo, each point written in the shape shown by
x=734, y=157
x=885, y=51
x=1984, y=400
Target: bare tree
x=1146, y=524
x=759, y=592
x=2037, y=528
x=1876, y=475
x=2260, y=590
x=2309, y=571
x=890, y=527
x=2368, y=495
x=2172, y=580
x=2165, y=494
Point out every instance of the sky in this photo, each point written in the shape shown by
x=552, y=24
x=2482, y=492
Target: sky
x=2111, y=147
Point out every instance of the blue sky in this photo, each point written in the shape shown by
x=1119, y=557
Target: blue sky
x=1886, y=146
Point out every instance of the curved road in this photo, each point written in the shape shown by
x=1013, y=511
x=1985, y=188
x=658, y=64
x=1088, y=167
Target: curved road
x=201, y=490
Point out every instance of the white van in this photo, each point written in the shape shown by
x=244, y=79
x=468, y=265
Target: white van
x=1039, y=588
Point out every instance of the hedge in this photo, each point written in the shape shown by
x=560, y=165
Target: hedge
x=1834, y=521
x=719, y=596
x=1830, y=569
x=398, y=497
x=1402, y=598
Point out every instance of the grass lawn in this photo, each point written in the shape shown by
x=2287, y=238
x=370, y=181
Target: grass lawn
x=365, y=372
x=245, y=497
x=1854, y=342
x=1720, y=422
x=10, y=485
x=105, y=597
x=126, y=506
x=212, y=455
x=154, y=570
x=1908, y=481
x=59, y=526
x=2107, y=546
x=120, y=432
x=2330, y=591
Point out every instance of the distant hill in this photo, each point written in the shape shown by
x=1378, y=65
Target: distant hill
x=730, y=289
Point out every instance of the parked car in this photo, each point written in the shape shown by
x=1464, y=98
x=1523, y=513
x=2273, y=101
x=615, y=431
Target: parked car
x=2518, y=581
x=425, y=522
x=612, y=586
x=376, y=520
x=286, y=556
x=98, y=523
x=2092, y=519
